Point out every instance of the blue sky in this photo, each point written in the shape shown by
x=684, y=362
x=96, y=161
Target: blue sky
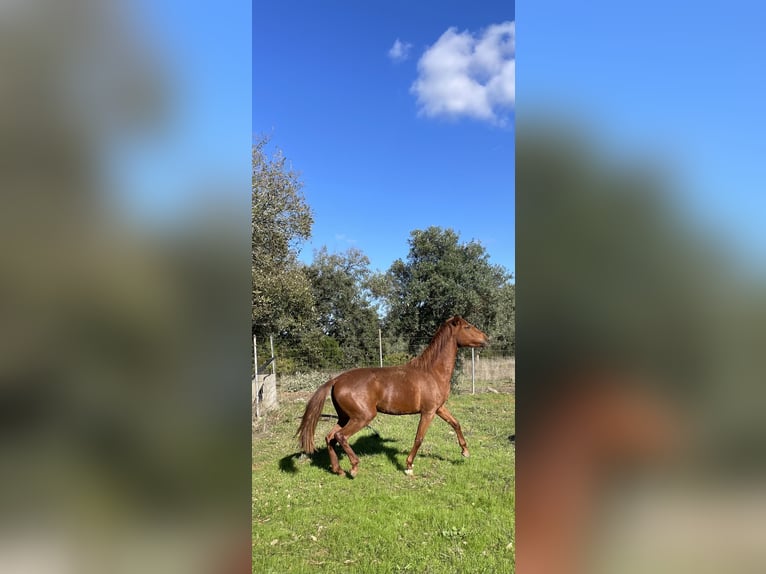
x=379, y=159
x=683, y=84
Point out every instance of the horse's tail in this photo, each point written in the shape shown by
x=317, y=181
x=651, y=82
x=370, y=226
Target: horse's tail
x=311, y=416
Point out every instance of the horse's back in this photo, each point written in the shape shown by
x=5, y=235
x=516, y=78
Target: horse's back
x=390, y=390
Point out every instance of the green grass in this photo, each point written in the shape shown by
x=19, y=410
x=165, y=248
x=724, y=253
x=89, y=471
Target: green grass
x=453, y=515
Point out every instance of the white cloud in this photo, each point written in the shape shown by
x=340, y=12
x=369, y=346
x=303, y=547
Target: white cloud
x=467, y=75
x=400, y=51
x=343, y=238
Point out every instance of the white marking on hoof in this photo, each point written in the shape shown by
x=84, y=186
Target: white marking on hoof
x=408, y=472
x=466, y=454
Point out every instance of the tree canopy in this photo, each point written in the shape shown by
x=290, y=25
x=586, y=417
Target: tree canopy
x=339, y=283
x=442, y=277
x=281, y=221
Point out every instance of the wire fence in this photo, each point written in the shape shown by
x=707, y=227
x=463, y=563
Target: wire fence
x=304, y=363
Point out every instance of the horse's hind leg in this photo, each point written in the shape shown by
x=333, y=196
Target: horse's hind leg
x=447, y=416
x=331, y=441
x=345, y=433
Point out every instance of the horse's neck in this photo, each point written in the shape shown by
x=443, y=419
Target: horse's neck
x=442, y=363
x=447, y=366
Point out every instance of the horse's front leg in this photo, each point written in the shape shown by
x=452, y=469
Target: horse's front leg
x=447, y=416
x=425, y=420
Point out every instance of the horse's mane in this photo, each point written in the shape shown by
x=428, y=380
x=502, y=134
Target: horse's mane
x=435, y=348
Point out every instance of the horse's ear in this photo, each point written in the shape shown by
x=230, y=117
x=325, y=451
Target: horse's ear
x=456, y=320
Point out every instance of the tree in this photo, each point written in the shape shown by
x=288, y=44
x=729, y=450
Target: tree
x=339, y=283
x=503, y=328
x=281, y=221
x=441, y=277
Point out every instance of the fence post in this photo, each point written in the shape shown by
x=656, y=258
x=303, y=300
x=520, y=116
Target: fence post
x=270, y=400
x=473, y=371
x=255, y=381
x=380, y=346
x=273, y=358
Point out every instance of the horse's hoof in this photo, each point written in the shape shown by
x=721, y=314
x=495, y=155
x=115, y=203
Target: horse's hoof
x=408, y=472
x=339, y=472
x=352, y=472
x=466, y=454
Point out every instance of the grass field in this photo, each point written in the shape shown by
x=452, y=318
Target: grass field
x=454, y=515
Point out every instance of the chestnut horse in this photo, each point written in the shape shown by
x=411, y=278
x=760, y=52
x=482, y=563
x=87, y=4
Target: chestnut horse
x=420, y=386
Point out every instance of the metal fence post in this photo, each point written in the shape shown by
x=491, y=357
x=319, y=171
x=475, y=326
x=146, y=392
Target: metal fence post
x=273, y=358
x=255, y=383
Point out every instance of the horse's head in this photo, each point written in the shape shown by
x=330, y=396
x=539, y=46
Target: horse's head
x=466, y=334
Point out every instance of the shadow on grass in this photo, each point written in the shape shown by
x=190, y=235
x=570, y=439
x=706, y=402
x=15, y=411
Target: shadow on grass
x=363, y=446
x=367, y=445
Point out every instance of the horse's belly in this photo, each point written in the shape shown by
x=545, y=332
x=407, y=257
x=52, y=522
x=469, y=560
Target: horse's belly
x=388, y=409
x=399, y=399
